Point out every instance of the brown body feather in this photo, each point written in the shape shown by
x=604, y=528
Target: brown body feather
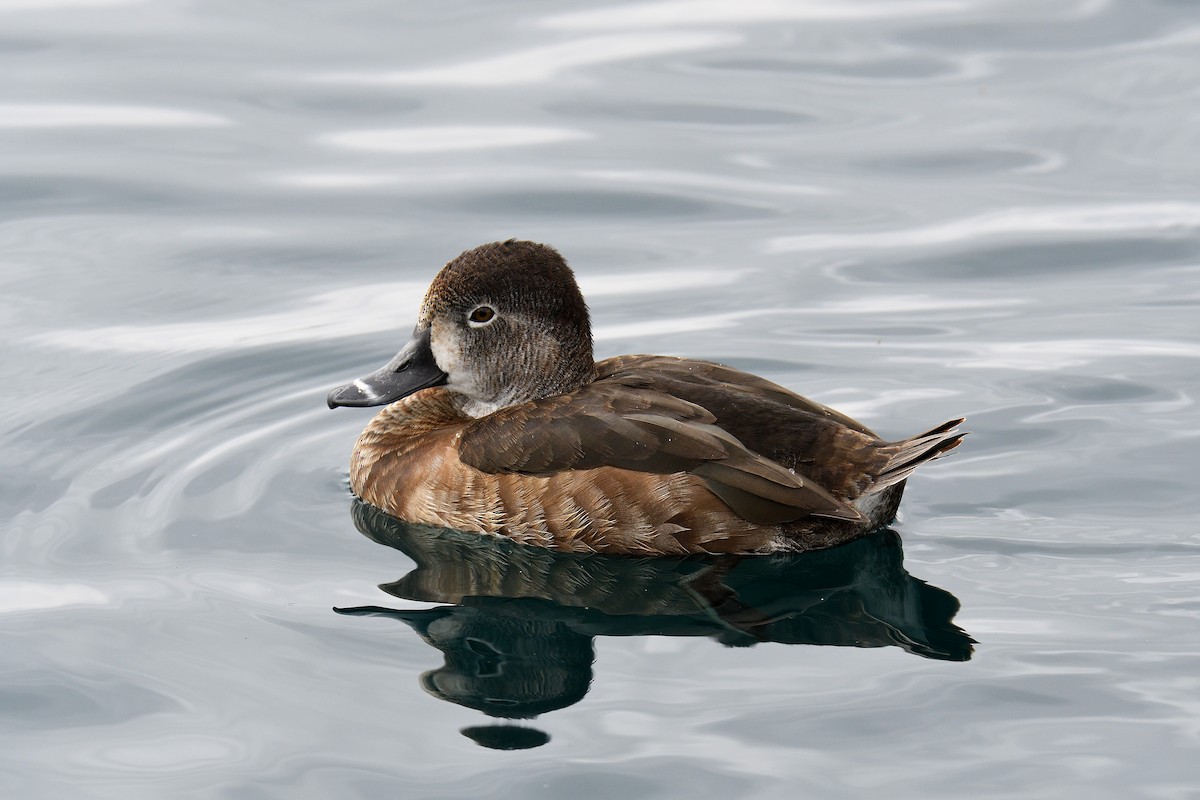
x=656, y=456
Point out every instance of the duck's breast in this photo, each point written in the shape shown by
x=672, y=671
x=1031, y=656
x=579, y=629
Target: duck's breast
x=406, y=462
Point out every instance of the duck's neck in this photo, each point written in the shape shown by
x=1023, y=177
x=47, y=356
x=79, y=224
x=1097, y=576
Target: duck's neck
x=561, y=382
x=476, y=408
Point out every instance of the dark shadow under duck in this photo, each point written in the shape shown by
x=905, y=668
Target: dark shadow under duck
x=518, y=623
x=499, y=421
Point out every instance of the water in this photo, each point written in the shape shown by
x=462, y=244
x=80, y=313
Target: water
x=212, y=213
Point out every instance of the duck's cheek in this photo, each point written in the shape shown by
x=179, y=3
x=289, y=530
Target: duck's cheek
x=446, y=343
x=449, y=351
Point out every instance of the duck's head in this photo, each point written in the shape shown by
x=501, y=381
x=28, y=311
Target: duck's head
x=502, y=324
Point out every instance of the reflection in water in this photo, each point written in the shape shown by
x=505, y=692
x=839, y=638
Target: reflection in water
x=517, y=628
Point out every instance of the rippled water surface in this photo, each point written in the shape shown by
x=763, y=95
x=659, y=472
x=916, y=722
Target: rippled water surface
x=211, y=213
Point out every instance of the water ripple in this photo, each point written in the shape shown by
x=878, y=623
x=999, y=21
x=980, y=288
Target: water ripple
x=43, y=115
x=359, y=310
x=1104, y=219
x=539, y=64
x=449, y=139
x=714, y=12
x=28, y=596
x=56, y=5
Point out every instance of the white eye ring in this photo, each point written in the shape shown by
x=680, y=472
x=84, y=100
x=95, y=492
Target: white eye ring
x=481, y=316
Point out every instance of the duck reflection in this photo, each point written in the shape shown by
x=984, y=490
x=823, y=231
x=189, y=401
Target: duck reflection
x=518, y=622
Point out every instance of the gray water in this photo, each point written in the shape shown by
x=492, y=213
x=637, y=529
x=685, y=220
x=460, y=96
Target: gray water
x=211, y=213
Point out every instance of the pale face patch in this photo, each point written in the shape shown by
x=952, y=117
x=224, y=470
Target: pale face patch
x=446, y=342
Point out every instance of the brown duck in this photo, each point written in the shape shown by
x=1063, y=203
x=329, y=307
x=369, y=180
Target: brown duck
x=499, y=421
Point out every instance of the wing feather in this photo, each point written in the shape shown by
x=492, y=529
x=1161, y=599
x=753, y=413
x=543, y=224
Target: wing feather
x=608, y=424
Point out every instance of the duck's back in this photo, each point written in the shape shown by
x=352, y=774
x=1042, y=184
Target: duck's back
x=831, y=449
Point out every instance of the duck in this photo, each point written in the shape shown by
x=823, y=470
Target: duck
x=497, y=420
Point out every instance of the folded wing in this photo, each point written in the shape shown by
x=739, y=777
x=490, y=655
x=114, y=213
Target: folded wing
x=610, y=424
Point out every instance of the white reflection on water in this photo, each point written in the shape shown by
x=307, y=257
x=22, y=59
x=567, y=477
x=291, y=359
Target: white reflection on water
x=700, y=180
x=343, y=312
x=339, y=180
x=176, y=753
x=450, y=139
x=64, y=115
x=55, y=5
x=660, y=327
x=384, y=307
x=1061, y=219
x=713, y=12
x=1056, y=354
x=537, y=64
x=853, y=403
x=419, y=177
x=909, y=304
x=668, y=281
x=1035, y=355
x=31, y=596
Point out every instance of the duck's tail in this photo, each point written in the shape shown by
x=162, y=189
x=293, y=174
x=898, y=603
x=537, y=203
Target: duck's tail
x=911, y=453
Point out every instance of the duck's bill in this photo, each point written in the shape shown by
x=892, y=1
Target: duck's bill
x=411, y=370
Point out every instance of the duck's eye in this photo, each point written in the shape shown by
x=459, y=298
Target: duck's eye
x=482, y=315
